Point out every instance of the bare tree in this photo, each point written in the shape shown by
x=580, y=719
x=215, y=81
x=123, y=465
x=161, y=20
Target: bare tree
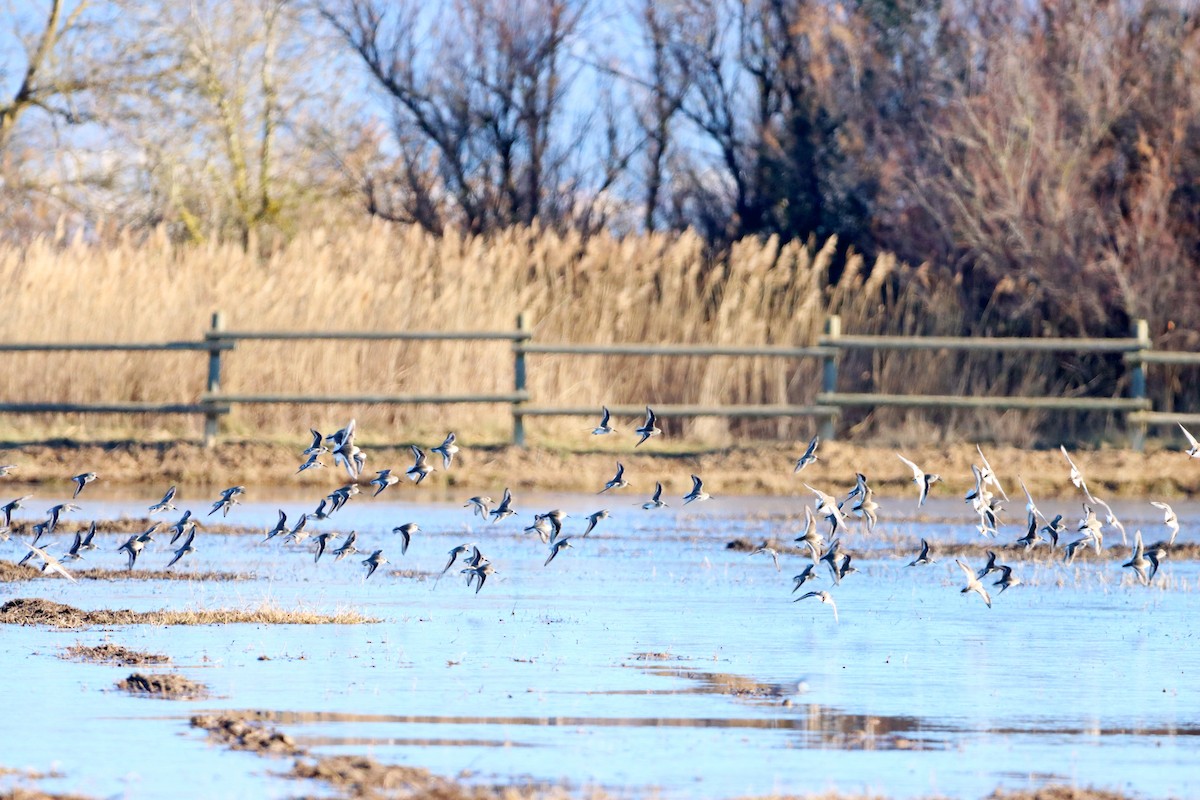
x=478, y=91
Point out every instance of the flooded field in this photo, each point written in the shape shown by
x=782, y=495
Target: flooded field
x=646, y=659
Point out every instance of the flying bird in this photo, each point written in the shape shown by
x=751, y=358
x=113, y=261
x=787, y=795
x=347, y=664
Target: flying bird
x=648, y=428
x=810, y=455
x=922, y=479
x=974, y=584
x=165, y=504
x=604, y=426
x=824, y=597
x=697, y=493
x=447, y=450
x=81, y=480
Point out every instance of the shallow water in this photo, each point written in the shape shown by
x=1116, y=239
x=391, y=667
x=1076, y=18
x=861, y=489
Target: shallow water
x=646, y=656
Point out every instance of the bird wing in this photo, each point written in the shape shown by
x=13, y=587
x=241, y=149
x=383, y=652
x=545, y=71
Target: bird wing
x=1191, y=439
x=916, y=471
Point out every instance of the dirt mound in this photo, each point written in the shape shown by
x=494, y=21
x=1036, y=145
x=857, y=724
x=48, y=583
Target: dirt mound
x=36, y=611
x=11, y=572
x=165, y=686
x=238, y=733
x=112, y=654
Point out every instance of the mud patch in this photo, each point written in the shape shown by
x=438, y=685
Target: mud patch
x=36, y=611
x=239, y=733
x=1056, y=792
x=109, y=653
x=11, y=572
x=164, y=686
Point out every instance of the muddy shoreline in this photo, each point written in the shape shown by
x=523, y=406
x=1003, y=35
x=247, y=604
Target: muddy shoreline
x=760, y=470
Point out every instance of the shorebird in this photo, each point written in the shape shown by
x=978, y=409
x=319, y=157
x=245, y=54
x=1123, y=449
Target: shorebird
x=1007, y=579
x=989, y=475
x=340, y=496
x=923, y=556
x=420, y=468
x=50, y=563
x=618, y=481
x=5, y=469
x=183, y=551
x=165, y=504
x=866, y=506
x=603, y=427
x=347, y=548
x=447, y=449
x=1032, y=514
x=55, y=512
x=1169, y=518
x=1156, y=554
x=830, y=557
x=655, y=500
x=406, y=531
x=322, y=540
x=73, y=553
x=827, y=507
x=81, y=480
x=1073, y=547
x=1076, y=474
x=697, y=493
x=922, y=479
x=989, y=567
x=824, y=597
x=594, y=518
x=555, y=518
x=807, y=574
x=132, y=548
x=373, y=561
x=227, y=500
x=345, y=453
x=1193, y=450
x=1110, y=519
x=844, y=568
x=83, y=541
x=505, y=508
x=1092, y=528
x=766, y=549
x=316, y=448
x=479, y=573
x=648, y=428
x=1054, y=529
x=1031, y=538
x=313, y=462
x=479, y=505
x=810, y=455
x=383, y=479
x=973, y=583
x=810, y=536
x=556, y=548
x=12, y=505
x=461, y=550
x=297, y=534
x=1138, y=561
x=280, y=527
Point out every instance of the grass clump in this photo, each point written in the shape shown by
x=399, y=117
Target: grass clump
x=36, y=611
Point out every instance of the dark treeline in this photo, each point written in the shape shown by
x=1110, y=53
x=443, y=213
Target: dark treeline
x=1044, y=154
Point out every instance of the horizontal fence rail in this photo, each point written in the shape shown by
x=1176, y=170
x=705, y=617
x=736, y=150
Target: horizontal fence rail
x=826, y=405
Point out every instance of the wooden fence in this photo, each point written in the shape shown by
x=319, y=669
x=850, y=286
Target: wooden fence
x=827, y=404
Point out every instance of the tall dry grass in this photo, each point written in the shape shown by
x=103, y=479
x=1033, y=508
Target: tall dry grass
x=656, y=288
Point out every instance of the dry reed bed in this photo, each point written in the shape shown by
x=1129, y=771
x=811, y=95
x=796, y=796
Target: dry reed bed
x=654, y=288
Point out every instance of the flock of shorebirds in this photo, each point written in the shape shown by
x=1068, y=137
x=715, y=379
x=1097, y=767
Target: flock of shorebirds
x=858, y=505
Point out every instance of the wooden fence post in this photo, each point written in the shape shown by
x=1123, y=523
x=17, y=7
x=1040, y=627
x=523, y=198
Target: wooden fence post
x=213, y=385
x=519, y=378
x=829, y=370
x=1137, y=385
